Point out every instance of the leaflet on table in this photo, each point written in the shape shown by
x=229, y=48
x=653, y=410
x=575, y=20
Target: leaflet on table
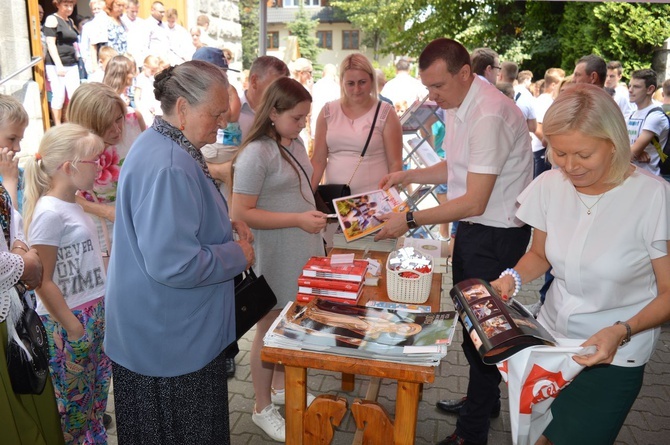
x=361, y=331
x=399, y=306
x=360, y=215
x=497, y=329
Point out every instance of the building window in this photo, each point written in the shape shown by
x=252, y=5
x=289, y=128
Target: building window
x=325, y=39
x=349, y=39
x=273, y=40
x=296, y=3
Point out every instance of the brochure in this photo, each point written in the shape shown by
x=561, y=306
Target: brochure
x=498, y=329
x=359, y=215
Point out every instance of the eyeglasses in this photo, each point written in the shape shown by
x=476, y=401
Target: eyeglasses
x=493, y=67
x=96, y=161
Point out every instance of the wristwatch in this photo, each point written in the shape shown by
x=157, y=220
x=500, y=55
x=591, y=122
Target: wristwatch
x=410, y=220
x=627, y=326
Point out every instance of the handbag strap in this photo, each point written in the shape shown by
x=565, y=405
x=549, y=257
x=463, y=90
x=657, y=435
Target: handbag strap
x=309, y=180
x=367, y=142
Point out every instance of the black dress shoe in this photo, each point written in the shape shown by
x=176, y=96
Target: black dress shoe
x=453, y=406
x=230, y=367
x=454, y=439
x=106, y=420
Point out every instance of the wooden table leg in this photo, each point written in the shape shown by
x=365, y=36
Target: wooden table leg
x=296, y=396
x=348, y=382
x=371, y=394
x=406, y=412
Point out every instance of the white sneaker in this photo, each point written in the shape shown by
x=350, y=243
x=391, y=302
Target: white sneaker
x=270, y=421
x=279, y=397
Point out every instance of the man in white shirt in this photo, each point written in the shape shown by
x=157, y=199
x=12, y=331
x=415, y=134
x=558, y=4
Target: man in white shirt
x=646, y=124
x=138, y=37
x=542, y=104
x=488, y=163
x=85, y=39
x=403, y=90
x=613, y=80
x=159, y=45
x=181, y=48
x=522, y=97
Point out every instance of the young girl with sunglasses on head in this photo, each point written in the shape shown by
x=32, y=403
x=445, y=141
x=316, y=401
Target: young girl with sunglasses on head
x=73, y=285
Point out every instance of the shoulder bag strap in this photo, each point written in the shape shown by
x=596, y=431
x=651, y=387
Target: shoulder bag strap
x=309, y=180
x=365, y=148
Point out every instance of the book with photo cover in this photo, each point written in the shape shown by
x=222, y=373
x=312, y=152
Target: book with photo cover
x=320, y=267
x=360, y=215
x=358, y=331
x=498, y=329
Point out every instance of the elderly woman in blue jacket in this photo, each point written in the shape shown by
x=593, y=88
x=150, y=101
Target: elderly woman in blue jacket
x=170, y=294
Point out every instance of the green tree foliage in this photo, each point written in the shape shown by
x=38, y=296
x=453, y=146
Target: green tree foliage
x=250, y=31
x=304, y=28
x=626, y=32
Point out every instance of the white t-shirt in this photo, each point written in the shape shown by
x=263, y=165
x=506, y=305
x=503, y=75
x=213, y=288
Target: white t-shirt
x=655, y=122
x=525, y=101
x=603, y=272
x=487, y=134
x=79, y=272
x=542, y=104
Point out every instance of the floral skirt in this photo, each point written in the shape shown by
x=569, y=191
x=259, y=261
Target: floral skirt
x=81, y=373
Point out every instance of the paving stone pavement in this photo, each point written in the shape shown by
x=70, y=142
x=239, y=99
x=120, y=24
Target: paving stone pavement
x=647, y=424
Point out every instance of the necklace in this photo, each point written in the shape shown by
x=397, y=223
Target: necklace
x=588, y=208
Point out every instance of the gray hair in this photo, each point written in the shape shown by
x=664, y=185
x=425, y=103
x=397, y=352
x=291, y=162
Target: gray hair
x=192, y=80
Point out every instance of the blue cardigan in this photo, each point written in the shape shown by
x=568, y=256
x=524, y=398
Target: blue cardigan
x=170, y=306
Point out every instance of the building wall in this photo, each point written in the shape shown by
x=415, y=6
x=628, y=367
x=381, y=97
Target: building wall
x=334, y=55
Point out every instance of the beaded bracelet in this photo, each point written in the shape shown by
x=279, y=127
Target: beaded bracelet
x=517, y=279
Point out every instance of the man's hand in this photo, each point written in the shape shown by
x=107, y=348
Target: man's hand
x=396, y=225
x=394, y=178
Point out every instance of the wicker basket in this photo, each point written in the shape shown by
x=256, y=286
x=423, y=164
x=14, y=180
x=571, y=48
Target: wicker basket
x=408, y=290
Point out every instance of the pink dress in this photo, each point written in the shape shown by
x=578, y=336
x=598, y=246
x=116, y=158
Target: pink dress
x=346, y=138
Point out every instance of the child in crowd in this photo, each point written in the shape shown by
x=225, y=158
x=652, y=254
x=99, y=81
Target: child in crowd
x=119, y=75
x=73, y=283
x=104, y=56
x=272, y=194
x=13, y=122
x=145, y=100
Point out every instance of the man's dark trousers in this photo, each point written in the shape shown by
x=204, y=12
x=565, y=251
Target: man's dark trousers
x=483, y=252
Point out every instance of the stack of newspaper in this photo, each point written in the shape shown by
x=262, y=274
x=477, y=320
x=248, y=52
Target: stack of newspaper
x=364, y=332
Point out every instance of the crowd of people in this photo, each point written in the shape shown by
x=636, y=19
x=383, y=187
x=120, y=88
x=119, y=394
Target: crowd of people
x=120, y=292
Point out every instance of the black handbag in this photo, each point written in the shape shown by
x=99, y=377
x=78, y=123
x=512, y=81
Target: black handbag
x=253, y=300
x=28, y=376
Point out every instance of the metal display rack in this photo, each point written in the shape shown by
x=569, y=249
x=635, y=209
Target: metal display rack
x=419, y=152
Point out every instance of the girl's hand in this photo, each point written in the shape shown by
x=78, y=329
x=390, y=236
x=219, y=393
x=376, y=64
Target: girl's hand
x=606, y=341
x=9, y=166
x=74, y=328
x=312, y=221
x=505, y=287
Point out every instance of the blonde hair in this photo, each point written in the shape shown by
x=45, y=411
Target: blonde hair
x=116, y=73
x=93, y=105
x=60, y=144
x=11, y=111
x=358, y=61
x=589, y=110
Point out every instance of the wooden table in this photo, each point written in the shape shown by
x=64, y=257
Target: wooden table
x=313, y=425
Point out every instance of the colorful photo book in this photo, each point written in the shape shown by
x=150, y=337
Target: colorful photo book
x=360, y=215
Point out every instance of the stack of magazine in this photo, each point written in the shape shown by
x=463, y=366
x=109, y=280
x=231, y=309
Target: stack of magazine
x=364, y=332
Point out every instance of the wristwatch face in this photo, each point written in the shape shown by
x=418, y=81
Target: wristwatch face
x=410, y=220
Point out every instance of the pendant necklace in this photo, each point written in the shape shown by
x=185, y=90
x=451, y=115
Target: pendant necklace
x=588, y=208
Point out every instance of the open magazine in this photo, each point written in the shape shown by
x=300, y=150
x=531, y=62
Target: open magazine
x=359, y=215
x=365, y=332
x=498, y=330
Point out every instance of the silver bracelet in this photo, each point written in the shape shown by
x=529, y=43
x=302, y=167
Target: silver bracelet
x=517, y=279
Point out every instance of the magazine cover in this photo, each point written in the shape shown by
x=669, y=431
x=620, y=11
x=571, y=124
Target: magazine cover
x=358, y=331
x=359, y=215
x=498, y=330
